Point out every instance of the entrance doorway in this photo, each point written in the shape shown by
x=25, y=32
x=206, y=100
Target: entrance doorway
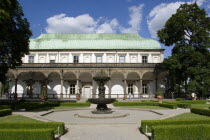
x=87, y=92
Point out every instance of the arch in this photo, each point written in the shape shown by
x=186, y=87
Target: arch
x=69, y=76
x=117, y=84
x=10, y=75
x=148, y=76
x=100, y=74
x=148, y=81
x=85, y=77
x=54, y=86
x=133, y=76
x=117, y=75
x=54, y=76
x=24, y=76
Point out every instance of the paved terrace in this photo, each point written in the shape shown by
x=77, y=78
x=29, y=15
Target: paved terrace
x=104, y=129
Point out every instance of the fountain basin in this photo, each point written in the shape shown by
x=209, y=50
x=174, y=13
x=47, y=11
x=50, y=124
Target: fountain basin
x=101, y=105
x=102, y=100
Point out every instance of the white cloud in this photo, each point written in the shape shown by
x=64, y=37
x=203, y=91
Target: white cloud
x=63, y=24
x=108, y=27
x=135, y=19
x=86, y=24
x=161, y=13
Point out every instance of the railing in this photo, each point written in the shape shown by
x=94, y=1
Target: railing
x=51, y=96
x=73, y=96
x=120, y=96
x=88, y=65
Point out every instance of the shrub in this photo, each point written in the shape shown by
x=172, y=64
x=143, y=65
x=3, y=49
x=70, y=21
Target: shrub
x=181, y=132
x=136, y=104
x=35, y=125
x=87, y=101
x=116, y=101
x=75, y=104
x=200, y=111
x=179, y=99
x=184, y=105
x=5, y=107
x=26, y=134
x=36, y=105
x=194, y=101
x=172, y=106
x=5, y=112
x=151, y=123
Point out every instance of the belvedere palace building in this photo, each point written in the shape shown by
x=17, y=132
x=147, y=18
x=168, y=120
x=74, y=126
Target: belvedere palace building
x=65, y=64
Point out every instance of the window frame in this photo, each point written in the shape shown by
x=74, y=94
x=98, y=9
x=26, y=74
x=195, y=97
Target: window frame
x=75, y=59
x=144, y=60
x=130, y=89
x=72, y=89
x=99, y=56
x=121, y=56
x=144, y=88
x=29, y=60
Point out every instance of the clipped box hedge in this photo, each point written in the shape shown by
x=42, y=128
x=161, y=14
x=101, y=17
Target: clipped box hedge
x=193, y=101
x=145, y=103
x=181, y=132
x=87, y=104
x=26, y=134
x=179, y=99
x=179, y=104
x=34, y=125
x=5, y=107
x=172, y=106
x=200, y=111
x=136, y=104
x=151, y=123
x=5, y=112
x=36, y=105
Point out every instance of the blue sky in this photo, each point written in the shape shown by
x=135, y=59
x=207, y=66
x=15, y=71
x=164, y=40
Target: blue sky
x=102, y=16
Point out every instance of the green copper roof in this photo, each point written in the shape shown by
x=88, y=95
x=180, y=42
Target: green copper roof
x=92, y=41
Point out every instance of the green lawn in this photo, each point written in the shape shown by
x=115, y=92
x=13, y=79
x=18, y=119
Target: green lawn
x=145, y=107
x=188, y=116
x=17, y=118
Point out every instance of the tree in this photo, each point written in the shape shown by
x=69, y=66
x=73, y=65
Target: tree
x=14, y=36
x=188, y=30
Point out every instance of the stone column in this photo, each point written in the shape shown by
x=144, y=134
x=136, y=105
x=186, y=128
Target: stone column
x=15, y=96
x=140, y=88
x=61, y=84
x=109, y=86
x=94, y=89
x=77, y=88
x=125, y=88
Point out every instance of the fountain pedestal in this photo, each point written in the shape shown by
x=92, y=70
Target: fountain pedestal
x=102, y=101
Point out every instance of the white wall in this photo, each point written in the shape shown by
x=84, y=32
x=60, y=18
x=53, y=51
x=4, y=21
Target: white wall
x=44, y=57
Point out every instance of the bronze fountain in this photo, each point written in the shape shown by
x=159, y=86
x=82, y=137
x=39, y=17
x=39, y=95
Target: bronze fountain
x=101, y=101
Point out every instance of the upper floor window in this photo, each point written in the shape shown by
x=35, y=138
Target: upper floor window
x=52, y=61
x=52, y=58
x=98, y=59
x=122, y=59
x=31, y=59
x=144, y=59
x=76, y=59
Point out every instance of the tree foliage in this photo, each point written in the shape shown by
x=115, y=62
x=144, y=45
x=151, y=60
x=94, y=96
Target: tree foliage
x=189, y=32
x=14, y=36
